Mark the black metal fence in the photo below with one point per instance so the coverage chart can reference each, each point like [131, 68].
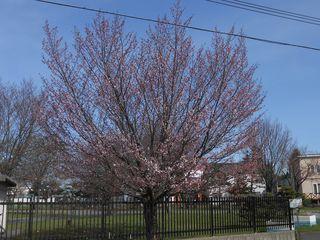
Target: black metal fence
[96, 219]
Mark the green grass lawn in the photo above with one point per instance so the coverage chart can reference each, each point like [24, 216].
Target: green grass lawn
[314, 228]
[87, 222]
[310, 209]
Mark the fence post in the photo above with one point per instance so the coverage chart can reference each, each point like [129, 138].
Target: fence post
[162, 218]
[289, 214]
[103, 217]
[30, 220]
[254, 209]
[211, 215]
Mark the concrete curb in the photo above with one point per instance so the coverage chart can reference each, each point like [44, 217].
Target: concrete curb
[283, 235]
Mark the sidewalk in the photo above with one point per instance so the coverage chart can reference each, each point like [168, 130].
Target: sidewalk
[310, 236]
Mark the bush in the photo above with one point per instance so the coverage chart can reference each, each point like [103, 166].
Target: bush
[288, 192]
[306, 202]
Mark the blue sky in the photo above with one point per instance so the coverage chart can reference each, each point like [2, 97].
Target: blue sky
[290, 76]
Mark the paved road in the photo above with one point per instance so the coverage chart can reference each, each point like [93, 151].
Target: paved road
[310, 236]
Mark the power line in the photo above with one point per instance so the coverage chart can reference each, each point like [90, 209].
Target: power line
[273, 10]
[266, 12]
[179, 25]
[304, 16]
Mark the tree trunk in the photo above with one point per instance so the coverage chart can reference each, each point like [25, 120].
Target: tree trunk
[297, 187]
[150, 217]
[271, 184]
[270, 179]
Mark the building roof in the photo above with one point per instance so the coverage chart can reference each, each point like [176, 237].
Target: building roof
[7, 180]
[311, 155]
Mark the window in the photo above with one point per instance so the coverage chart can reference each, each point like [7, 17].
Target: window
[318, 168]
[316, 188]
[311, 169]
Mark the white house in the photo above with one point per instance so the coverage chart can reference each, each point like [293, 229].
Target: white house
[5, 183]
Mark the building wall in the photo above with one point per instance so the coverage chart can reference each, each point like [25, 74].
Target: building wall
[3, 208]
[313, 163]
[307, 186]
[257, 187]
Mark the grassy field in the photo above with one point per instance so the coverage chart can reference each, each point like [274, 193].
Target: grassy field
[79, 221]
[124, 223]
[314, 228]
[308, 228]
[315, 209]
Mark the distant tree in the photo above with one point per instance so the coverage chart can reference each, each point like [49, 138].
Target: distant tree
[288, 192]
[234, 177]
[298, 170]
[251, 168]
[149, 111]
[216, 179]
[19, 110]
[239, 186]
[243, 175]
[273, 145]
[91, 178]
[39, 167]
